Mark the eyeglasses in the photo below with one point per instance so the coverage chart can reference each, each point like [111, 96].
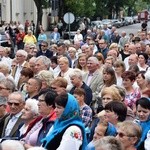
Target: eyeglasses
[53, 88]
[120, 134]
[126, 46]
[31, 47]
[15, 104]
[44, 45]
[3, 88]
[19, 55]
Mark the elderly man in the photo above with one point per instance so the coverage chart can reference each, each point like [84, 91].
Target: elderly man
[42, 63]
[77, 81]
[21, 57]
[93, 78]
[132, 50]
[123, 40]
[16, 103]
[33, 88]
[55, 36]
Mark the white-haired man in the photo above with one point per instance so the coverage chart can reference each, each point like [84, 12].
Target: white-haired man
[93, 78]
[21, 57]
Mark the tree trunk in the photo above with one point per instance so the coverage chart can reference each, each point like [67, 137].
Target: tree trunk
[39, 15]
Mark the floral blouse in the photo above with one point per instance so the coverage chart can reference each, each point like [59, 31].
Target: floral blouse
[131, 98]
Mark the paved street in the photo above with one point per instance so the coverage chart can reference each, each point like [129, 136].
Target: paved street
[129, 29]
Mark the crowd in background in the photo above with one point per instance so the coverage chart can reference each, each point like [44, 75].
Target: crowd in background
[89, 93]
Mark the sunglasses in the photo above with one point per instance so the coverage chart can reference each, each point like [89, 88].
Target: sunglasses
[15, 104]
[126, 46]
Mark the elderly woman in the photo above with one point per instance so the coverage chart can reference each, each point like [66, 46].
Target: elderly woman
[129, 134]
[39, 127]
[59, 85]
[78, 36]
[46, 77]
[109, 94]
[72, 54]
[65, 71]
[142, 61]
[108, 143]
[5, 69]
[77, 82]
[29, 113]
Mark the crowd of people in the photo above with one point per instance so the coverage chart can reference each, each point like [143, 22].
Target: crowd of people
[89, 93]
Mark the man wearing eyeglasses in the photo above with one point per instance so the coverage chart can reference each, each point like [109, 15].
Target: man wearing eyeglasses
[44, 50]
[16, 103]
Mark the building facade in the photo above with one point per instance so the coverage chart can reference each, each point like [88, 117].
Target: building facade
[21, 10]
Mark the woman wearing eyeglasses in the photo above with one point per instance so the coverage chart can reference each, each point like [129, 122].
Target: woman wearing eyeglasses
[125, 52]
[128, 133]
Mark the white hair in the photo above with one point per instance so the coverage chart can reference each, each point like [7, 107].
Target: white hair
[33, 104]
[22, 52]
[46, 75]
[46, 61]
[12, 145]
[76, 72]
[94, 59]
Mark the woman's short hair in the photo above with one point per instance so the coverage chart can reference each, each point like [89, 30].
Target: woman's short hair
[64, 59]
[46, 76]
[4, 66]
[60, 81]
[113, 92]
[143, 102]
[33, 104]
[131, 129]
[108, 143]
[77, 73]
[62, 99]
[80, 92]
[27, 72]
[128, 75]
[118, 108]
